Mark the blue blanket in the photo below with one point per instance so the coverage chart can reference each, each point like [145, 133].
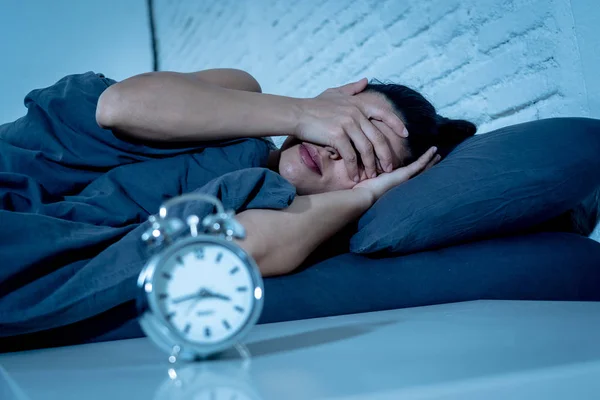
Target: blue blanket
[75, 198]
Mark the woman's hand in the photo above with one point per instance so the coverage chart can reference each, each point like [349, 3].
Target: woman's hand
[339, 119]
[376, 187]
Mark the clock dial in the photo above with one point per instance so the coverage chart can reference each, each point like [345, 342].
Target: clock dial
[205, 291]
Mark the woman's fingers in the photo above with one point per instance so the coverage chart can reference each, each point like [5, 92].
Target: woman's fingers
[344, 147]
[384, 182]
[418, 166]
[379, 167]
[364, 147]
[433, 162]
[381, 147]
[353, 88]
[386, 114]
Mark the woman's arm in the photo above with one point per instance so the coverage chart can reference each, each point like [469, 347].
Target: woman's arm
[226, 104]
[280, 240]
[229, 78]
[171, 106]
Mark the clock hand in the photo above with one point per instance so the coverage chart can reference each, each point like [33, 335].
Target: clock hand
[221, 296]
[202, 294]
[186, 297]
[217, 295]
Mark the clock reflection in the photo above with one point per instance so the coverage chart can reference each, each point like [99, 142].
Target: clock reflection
[209, 380]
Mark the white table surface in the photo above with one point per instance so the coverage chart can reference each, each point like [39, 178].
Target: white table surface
[481, 349]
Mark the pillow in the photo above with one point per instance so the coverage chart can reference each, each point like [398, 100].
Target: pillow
[541, 266]
[498, 183]
[583, 219]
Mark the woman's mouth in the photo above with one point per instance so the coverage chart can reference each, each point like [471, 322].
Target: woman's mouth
[309, 159]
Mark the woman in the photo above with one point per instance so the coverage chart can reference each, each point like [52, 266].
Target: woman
[395, 131]
[74, 197]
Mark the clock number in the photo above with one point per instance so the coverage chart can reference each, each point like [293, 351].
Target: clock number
[219, 257]
[179, 260]
[226, 324]
[170, 316]
[166, 275]
[238, 309]
[207, 331]
[199, 254]
[234, 270]
[242, 289]
[187, 328]
[162, 296]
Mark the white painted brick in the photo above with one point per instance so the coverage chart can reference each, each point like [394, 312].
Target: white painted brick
[455, 55]
[521, 92]
[508, 60]
[482, 11]
[512, 24]
[352, 13]
[527, 114]
[365, 29]
[289, 40]
[449, 26]
[291, 16]
[420, 19]
[472, 109]
[392, 11]
[362, 59]
[558, 106]
[396, 61]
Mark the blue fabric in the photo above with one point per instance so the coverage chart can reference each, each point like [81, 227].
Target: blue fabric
[499, 183]
[542, 266]
[75, 199]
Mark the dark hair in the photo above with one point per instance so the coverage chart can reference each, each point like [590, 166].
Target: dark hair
[425, 126]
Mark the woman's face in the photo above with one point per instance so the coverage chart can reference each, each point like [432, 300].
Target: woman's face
[317, 169]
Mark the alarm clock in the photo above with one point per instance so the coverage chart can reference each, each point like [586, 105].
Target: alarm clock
[199, 292]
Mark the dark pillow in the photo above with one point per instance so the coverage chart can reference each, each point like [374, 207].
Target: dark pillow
[540, 266]
[582, 219]
[493, 184]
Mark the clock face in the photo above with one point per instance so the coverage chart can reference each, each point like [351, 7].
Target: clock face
[205, 291]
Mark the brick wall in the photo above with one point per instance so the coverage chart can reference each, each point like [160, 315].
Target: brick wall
[495, 62]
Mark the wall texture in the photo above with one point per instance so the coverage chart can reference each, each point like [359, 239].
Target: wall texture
[495, 62]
